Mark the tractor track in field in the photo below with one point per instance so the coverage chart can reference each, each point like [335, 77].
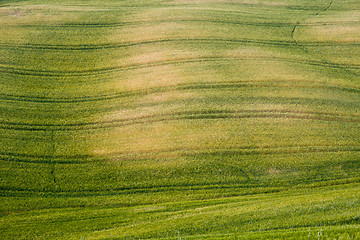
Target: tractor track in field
[180, 87]
[127, 24]
[165, 153]
[52, 167]
[90, 47]
[303, 47]
[165, 187]
[184, 115]
[300, 23]
[95, 72]
[152, 22]
[45, 159]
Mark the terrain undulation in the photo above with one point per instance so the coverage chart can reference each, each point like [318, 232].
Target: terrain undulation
[180, 119]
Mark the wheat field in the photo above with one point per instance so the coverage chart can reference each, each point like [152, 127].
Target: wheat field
[180, 119]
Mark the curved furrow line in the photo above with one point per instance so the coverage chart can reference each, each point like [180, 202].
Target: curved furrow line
[120, 190]
[46, 159]
[127, 24]
[55, 73]
[89, 47]
[35, 99]
[191, 86]
[244, 150]
[347, 23]
[288, 149]
[99, 71]
[211, 185]
[84, 47]
[154, 22]
[348, 70]
[184, 115]
[300, 23]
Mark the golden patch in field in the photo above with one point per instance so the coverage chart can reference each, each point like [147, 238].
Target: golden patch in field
[274, 171]
[336, 33]
[168, 96]
[248, 2]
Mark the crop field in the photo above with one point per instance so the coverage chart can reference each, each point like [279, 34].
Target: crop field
[180, 119]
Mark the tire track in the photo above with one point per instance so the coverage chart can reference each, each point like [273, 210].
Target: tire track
[100, 71]
[244, 150]
[46, 158]
[273, 151]
[153, 22]
[184, 115]
[139, 43]
[91, 47]
[300, 23]
[320, 59]
[52, 167]
[142, 155]
[127, 24]
[122, 190]
[180, 87]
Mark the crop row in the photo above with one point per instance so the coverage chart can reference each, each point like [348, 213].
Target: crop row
[192, 86]
[85, 47]
[299, 23]
[91, 72]
[191, 152]
[184, 115]
[127, 24]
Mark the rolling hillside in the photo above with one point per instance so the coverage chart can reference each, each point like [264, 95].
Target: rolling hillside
[180, 119]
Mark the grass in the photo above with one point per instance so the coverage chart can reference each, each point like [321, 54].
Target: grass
[169, 119]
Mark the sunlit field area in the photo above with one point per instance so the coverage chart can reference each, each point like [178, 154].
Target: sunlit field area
[180, 119]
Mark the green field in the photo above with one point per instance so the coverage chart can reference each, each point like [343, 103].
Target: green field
[180, 119]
